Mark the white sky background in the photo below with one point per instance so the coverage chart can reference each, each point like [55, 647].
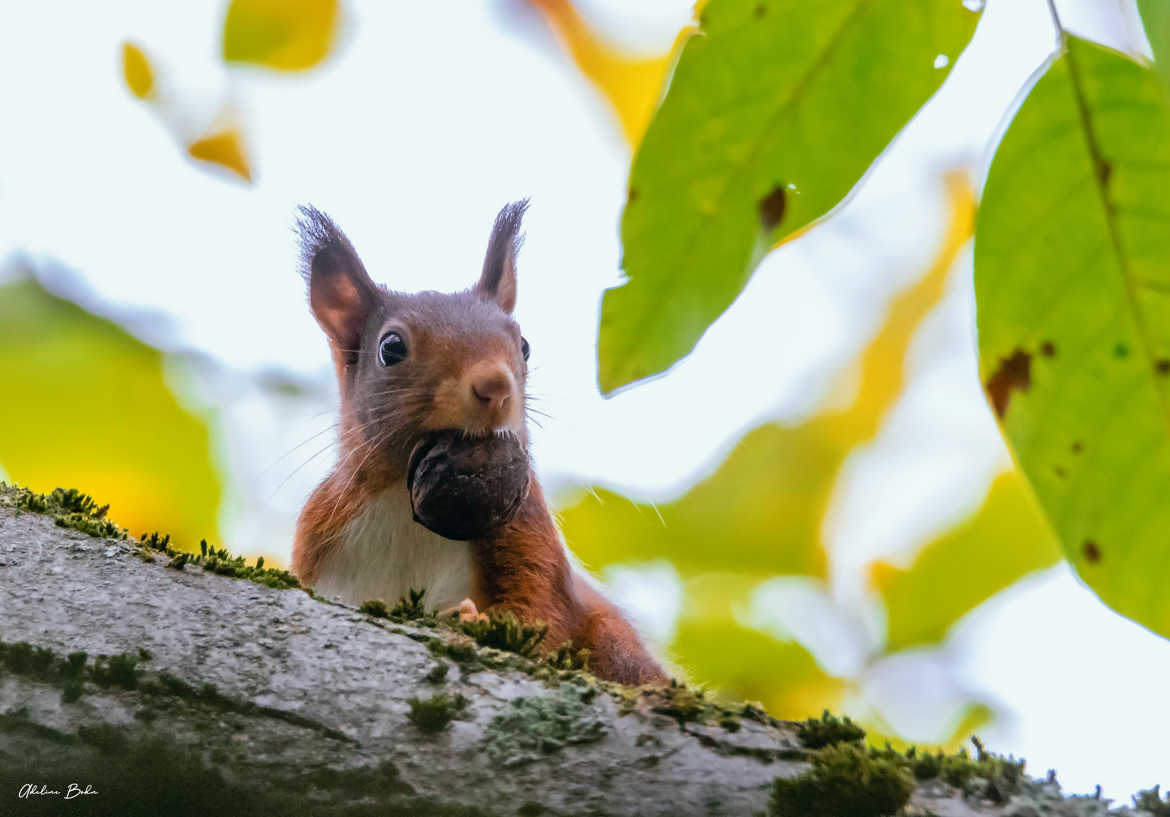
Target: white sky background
[428, 119]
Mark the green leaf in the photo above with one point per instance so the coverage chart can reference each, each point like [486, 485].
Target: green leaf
[289, 35]
[87, 405]
[759, 514]
[1156, 19]
[1072, 278]
[1007, 538]
[776, 109]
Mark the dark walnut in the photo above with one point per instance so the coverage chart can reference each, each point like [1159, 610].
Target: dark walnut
[466, 488]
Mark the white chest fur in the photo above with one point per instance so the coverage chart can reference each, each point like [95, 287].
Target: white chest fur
[384, 554]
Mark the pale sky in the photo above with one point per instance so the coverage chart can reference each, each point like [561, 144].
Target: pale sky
[430, 117]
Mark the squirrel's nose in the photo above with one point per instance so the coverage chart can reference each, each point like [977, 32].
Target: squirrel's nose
[492, 386]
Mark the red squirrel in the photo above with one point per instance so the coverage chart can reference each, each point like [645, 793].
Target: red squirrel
[408, 364]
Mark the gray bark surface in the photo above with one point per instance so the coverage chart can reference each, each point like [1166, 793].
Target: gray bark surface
[310, 710]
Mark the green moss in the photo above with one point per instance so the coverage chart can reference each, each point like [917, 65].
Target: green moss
[220, 561]
[730, 724]
[1151, 800]
[985, 775]
[828, 729]
[461, 651]
[17, 720]
[432, 715]
[69, 508]
[437, 674]
[410, 608]
[534, 727]
[116, 670]
[376, 608]
[105, 737]
[72, 671]
[503, 630]
[846, 780]
[23, 658]
[101, 528]
[682, 703]
[568, 657]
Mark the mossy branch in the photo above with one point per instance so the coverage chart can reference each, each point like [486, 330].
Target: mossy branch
[178, 691]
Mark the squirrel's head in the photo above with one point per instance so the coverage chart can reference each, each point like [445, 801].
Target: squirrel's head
[409, 363]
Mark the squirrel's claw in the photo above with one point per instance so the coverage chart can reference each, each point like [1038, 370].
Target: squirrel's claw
[466, 610]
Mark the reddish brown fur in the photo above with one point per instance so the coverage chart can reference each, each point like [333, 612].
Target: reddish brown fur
[453, 338]
[525, 569]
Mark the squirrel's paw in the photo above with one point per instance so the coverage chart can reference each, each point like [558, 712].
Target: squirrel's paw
[467, 611]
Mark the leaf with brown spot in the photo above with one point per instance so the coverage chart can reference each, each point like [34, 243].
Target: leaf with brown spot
[1013, 374]
[1071, 247]
[772, 208]
[1092, 551]
[810, 93]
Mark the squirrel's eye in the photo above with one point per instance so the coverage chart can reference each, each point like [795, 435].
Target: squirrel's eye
[392, 349]
[524, 350]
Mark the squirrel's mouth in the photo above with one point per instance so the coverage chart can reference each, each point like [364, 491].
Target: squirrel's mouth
[420, 450]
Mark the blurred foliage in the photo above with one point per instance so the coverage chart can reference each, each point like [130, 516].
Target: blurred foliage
[1072, 279]
[286, 35]
[86, 403]
[714, 647]
[224, 147]
[289, 35]
[773, 113]
[222, 144]
[631, 84]
[1156, 18]
[137, 71]
[762, 514]
[1005, 539]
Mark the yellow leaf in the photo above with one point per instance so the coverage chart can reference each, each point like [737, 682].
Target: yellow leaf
[631, 84]
[289, 35]
[223, 147]
[883, 362]
[137, 71]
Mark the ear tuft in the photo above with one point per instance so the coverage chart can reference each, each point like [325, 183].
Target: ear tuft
[498, 280]
[341, 293]
[317, 234]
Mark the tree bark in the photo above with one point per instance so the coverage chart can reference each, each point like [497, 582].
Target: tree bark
[235, 698]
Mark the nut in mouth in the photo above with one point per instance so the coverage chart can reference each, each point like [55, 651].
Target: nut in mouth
[466, 487]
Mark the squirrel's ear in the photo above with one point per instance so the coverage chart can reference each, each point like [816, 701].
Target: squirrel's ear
[341, 293]
[498, 280]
